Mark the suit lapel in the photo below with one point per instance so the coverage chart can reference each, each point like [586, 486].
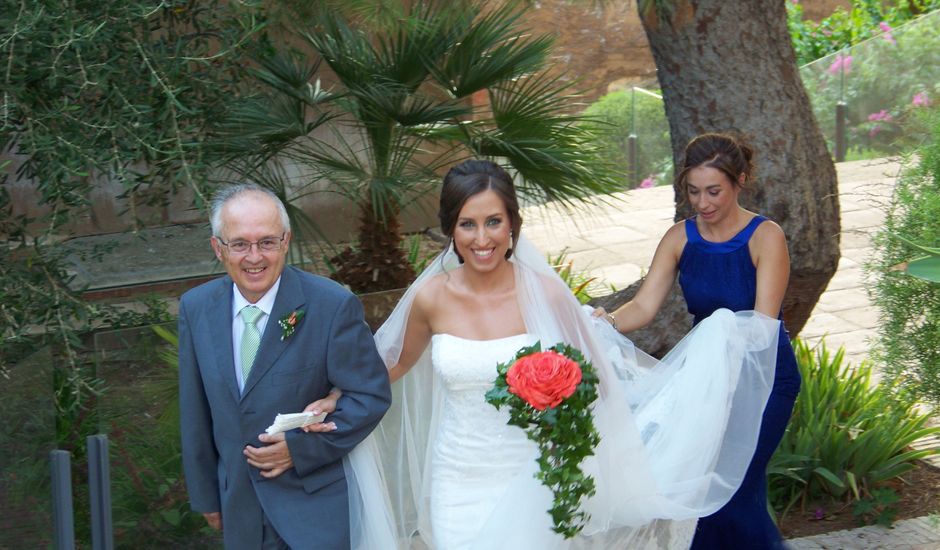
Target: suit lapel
[220, 331]
[290, 297]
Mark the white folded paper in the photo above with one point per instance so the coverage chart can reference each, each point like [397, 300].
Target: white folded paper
[284, 422]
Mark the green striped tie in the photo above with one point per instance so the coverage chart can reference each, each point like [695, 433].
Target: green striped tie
[251, 339]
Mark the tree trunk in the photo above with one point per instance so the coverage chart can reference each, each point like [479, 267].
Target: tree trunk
[730, 66]
[377, 262]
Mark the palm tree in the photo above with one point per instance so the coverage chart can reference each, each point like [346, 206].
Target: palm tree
[403, 109]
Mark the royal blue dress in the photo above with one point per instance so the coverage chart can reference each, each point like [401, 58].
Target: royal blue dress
[722, 275]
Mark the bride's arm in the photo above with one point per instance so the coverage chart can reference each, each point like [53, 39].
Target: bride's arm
[417, 337]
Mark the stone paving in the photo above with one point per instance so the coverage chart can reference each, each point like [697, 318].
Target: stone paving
[911, 534]
[616, 241]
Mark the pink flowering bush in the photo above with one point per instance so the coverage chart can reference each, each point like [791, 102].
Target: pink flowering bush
[842, 63]
[886, 30]
[843, 29]
[882, 116]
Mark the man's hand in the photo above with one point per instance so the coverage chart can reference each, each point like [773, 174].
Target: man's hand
[214, 519]
[272, 460]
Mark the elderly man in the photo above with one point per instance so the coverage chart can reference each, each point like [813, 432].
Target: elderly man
[263, 340]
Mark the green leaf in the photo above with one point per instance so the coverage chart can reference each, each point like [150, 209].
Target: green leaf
[927, 268]
[171, 516]
[829, 476]
[922, 248]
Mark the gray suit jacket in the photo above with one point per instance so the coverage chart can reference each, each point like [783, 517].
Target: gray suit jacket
[331, 347]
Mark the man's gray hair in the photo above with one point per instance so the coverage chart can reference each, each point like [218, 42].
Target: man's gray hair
[230, 192]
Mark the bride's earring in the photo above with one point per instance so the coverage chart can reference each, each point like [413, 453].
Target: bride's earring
[509, 250]
[454, 245]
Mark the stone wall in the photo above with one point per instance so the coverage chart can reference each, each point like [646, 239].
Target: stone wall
[603, 45]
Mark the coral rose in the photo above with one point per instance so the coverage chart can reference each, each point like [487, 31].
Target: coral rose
[543, 379]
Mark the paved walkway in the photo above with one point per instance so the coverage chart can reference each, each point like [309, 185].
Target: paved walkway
[616, 242]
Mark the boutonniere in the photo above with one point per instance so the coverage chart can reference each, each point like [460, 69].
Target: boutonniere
[289, 323]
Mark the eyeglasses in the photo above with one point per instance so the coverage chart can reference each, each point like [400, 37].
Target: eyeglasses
[267, 244]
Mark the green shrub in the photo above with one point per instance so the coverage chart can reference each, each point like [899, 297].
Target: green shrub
[909, 337]
[624, 112]
[846, 435]
[842, 29]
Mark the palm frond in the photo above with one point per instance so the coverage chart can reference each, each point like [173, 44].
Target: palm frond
[293, 75]
[264, 125]
[554, 153]
[492, 50]
[347, 50]
[407, 51]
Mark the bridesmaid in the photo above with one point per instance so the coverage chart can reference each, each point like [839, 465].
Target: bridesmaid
[726, 257]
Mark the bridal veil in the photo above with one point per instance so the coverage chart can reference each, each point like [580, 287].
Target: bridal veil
[676, 434]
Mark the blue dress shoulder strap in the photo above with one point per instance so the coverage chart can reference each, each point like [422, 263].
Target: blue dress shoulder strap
[741, 238]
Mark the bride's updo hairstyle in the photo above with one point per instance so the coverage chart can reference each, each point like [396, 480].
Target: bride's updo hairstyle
[469, 178]
[722, 152]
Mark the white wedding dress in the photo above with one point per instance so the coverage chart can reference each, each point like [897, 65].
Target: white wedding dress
[482, 469]
[445, 471]
[475, 451]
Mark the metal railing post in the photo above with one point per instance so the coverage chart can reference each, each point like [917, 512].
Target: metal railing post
[841, 144]
[63, 517]
[631, 159]
[99, 485]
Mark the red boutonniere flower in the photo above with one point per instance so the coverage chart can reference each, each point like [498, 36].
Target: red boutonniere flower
[289, 322]
[549, 395]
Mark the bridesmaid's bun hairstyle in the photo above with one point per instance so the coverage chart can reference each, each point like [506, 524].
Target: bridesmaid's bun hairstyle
[469, 178]
[723, 152]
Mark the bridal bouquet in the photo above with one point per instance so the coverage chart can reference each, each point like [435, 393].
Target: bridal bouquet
[549, 395]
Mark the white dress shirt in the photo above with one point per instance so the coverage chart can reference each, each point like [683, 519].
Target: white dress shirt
[265, 304]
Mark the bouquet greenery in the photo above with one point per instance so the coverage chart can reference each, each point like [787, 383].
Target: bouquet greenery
[549, 395]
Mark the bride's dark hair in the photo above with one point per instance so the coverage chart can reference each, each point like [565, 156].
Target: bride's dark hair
[469, 178]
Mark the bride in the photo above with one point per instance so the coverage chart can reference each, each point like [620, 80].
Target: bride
[445, 471]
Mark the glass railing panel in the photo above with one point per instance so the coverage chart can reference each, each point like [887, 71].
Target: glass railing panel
[883, 83]
[634, 135]
[139, 412]
[27, 435]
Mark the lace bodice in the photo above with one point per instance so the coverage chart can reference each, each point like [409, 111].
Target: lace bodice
[472, 431]
[465, 364]
[475, 450]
